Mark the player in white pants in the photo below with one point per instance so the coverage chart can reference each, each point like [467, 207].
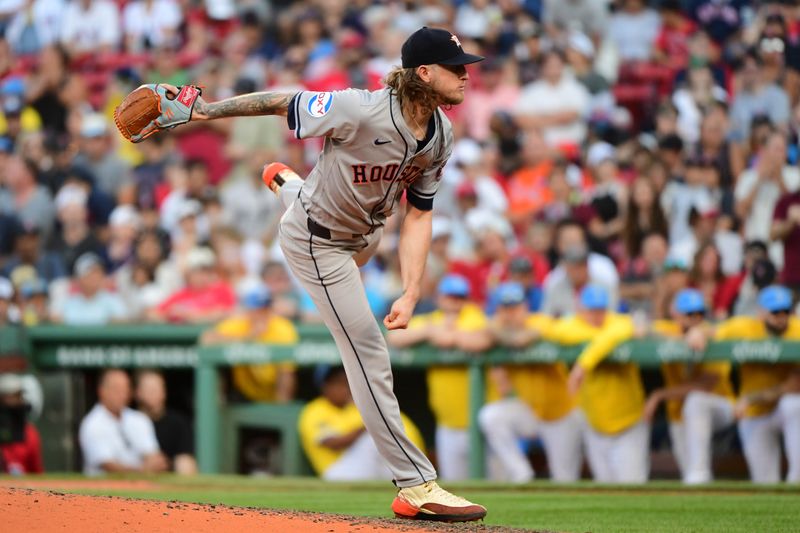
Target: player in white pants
[505, 421]
[620, 457]
[360, 462]
[333, 435]
[761, 435]
[456, 324]
[703, 414]
[698, 395]
[379, 148]
[769, 401]
[535, 401]
[611, 394]
[452, 453]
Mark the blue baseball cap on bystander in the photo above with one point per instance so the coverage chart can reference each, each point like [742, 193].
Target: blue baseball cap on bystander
[775, 298]
[453, 285]
[510, 293]
[689, 301]
[594, 297]
[257, 297]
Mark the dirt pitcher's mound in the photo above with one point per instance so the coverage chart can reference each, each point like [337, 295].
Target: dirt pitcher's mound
[38, 511]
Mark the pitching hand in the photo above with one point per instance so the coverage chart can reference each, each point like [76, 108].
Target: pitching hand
[400, 313]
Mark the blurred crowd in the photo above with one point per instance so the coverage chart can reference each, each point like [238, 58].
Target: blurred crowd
[645, 146]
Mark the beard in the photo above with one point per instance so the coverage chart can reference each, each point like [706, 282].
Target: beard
[776, 331]
[451, 99]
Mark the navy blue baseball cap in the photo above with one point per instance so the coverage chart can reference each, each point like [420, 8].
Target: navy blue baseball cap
[594, 297]
[257, 297]
[453, 285]
[510, 293]
[775, 298]
[434, 46]
[690, 301]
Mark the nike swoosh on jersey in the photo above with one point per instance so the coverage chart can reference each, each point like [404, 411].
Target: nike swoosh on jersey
[379, 142]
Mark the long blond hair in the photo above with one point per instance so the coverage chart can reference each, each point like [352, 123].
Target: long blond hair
[411, 89]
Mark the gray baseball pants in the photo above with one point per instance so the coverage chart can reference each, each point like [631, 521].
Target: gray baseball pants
[327, 270]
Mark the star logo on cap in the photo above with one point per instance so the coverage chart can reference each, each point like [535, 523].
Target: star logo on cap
[455, 40]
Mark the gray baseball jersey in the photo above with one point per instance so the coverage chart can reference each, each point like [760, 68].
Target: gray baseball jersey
[370, 157]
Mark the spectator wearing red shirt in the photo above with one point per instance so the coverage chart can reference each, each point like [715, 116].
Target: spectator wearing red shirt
[494, 93]
[346, 68]
[496, 262]
[671, 48]
[22, 452]
[205, 298]
[786, 228]
[488, 268]
[706, 276]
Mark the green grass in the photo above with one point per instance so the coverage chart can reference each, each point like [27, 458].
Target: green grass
[657, 507]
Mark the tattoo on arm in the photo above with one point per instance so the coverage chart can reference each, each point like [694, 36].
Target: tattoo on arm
[263, 103]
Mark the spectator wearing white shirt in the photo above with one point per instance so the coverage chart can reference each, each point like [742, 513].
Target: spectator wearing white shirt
[115, 438]
[633, 29]
[756, 96]
[758, 190]
[580, 54]
[23, 196]
[97, 155]
[561, 293]
[35, 26]
[91, 26]
[556, 104]
[469, 158]
[7, 10]
[588, 16]
[705, 228]
[250, 207]
[577, 266]
[679, 197]
[150, 23]
[477, 19]
[91, 305]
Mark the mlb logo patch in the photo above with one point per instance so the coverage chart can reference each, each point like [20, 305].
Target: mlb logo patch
[320, 104]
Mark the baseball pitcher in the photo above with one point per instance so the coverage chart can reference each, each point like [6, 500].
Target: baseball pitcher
[378, 146]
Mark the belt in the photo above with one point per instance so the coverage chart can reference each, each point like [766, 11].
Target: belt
[322, 232]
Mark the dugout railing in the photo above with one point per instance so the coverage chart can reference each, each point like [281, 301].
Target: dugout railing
[171, 346]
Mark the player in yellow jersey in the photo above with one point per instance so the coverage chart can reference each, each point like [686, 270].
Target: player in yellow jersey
[457, 324]
[763, 422]
[699, 395]
[533, 397]
[333, 433]
[787, 397]
[258, 323]
[611, 395]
